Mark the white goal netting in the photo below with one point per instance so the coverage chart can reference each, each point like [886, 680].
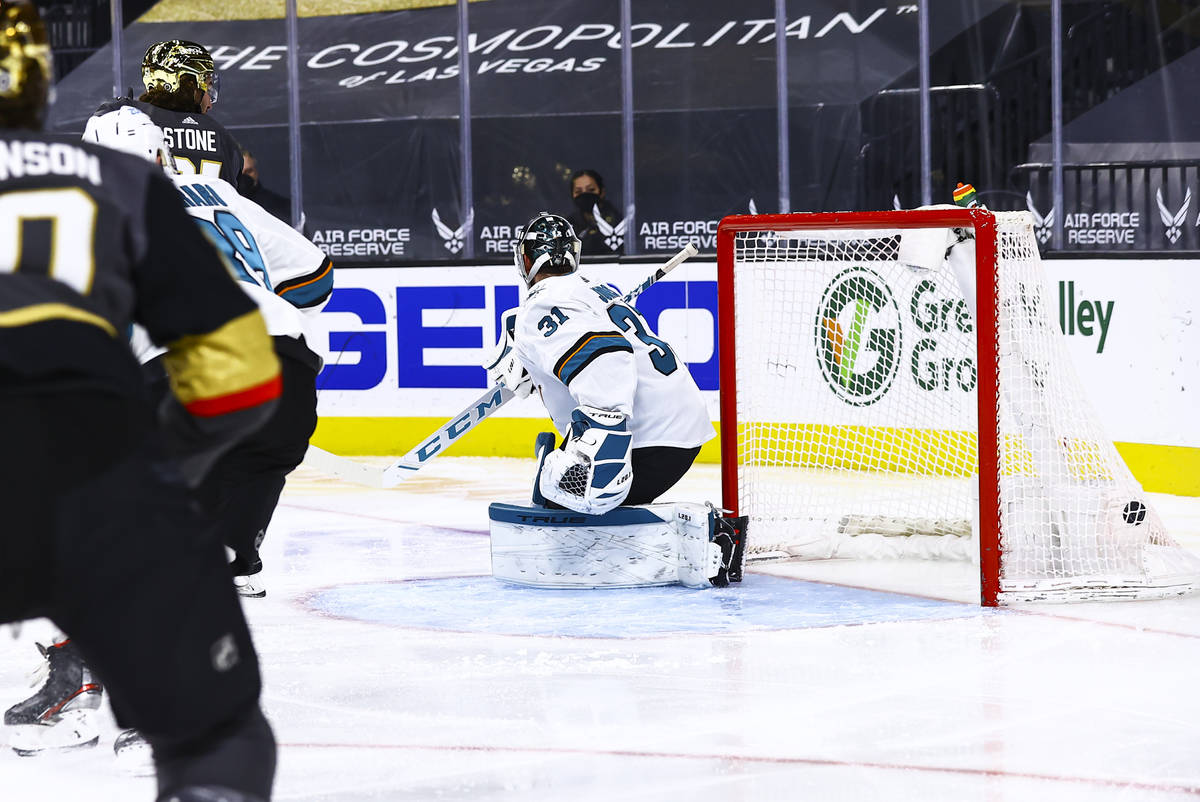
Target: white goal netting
[857, 423]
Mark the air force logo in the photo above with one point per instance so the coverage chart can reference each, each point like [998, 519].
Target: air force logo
[455, 237]
[614, 236]
[1042, 226]
[1173, 220]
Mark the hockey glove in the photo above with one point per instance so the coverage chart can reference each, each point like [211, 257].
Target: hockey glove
[502, 364]
[592, 474]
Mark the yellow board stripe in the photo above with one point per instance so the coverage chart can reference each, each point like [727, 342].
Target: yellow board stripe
[860, 448]
[1163, 469]
[496, 437]
[1160, 469]
[38, 313]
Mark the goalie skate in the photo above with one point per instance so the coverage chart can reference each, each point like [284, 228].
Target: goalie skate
[62, 713]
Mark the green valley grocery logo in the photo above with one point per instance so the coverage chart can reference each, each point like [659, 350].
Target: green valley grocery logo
[858, 336]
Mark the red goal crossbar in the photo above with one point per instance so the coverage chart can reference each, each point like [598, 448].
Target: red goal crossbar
[984, 225]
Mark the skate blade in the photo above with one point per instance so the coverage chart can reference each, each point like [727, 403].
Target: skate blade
[44, 750]
[75, 729]
[249, 587]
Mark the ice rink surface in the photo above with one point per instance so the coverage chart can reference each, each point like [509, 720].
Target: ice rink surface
[396, 668]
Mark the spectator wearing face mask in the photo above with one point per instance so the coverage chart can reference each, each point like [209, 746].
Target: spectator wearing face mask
[250, 186]
[587, 192]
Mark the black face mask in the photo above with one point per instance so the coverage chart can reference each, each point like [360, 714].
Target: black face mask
[246, 185]
[586, 201]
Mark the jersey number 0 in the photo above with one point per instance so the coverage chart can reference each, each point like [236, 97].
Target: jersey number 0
[49, 231]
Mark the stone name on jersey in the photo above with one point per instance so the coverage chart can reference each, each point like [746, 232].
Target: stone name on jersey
[191, 139]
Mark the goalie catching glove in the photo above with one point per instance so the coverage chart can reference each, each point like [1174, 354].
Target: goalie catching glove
[592, 473]
[503, 366]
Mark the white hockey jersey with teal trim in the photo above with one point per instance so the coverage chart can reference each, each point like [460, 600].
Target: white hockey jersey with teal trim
[288, 276]
[579, 350]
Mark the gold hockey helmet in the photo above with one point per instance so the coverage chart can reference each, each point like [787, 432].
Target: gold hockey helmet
[25, 68]
[165, 63]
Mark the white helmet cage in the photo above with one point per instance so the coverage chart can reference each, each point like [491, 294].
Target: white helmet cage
[547, 243]
[128, 129]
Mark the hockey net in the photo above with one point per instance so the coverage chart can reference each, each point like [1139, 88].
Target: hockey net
[871, 408]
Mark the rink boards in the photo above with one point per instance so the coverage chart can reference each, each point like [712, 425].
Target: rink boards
[405, 345]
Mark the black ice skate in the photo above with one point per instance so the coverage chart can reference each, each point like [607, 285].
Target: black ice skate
[62, 714]
[247, 572]
[250, 586]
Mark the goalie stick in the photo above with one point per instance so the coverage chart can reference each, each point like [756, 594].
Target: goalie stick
[449, 432]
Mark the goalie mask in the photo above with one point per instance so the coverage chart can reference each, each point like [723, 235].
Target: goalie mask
[25, 69]
[547, 244]
[165, 64]
[129, 130]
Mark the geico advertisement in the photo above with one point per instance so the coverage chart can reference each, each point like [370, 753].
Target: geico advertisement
[411, 341]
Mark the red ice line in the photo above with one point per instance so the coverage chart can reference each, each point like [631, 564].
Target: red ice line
[801, 761]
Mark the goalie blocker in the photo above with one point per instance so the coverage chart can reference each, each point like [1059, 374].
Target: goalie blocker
[655, 544]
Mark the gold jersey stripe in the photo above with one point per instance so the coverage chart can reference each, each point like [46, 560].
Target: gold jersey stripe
[235, 358]
[37, 313]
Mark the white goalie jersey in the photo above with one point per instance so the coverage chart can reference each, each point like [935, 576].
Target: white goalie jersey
[581, 351]
[288, 276]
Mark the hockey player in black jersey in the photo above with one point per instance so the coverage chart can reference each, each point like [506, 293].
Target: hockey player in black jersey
[99, 534]
[181, 87]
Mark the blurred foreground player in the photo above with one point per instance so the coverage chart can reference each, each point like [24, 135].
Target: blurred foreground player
[99, 534]
[290, 279]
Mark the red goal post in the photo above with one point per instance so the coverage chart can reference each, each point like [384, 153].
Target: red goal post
[950, 424]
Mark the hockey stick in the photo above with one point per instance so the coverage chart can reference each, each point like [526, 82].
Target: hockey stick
[359, 473]
[675, 261]
[449, 432]
[370, 476]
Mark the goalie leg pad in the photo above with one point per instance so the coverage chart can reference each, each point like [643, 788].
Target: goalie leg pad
[714, 545]
[626, 548]
[699, 558]
[654, 544]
